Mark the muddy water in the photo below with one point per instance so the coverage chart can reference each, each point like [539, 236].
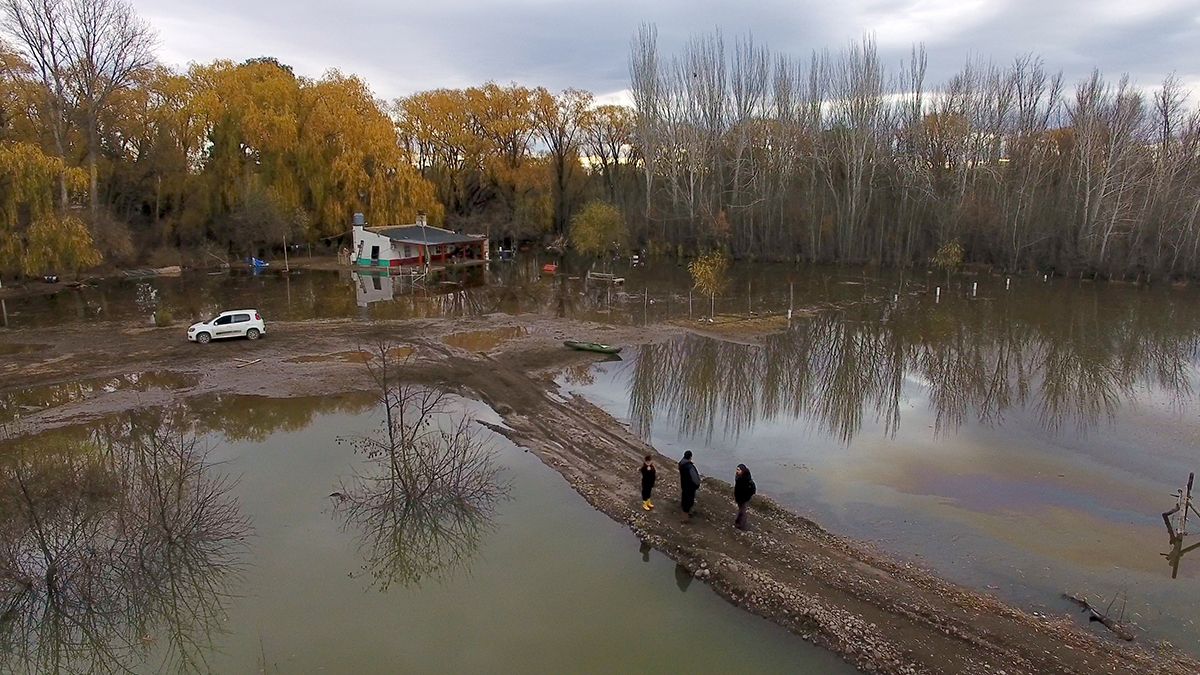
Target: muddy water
[649, 294]
[1021, 442]
[484, 340]
[18, 403]
[257, 569]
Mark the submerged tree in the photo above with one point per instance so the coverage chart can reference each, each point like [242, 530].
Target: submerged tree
[430, 486]
[710, 276]
[598, 228]
[949, 258]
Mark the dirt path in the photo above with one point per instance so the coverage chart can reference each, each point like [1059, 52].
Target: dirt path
[880, 615]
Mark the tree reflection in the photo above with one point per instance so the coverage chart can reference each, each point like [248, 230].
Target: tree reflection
[838, 368]
[429, 490]
[118, 546]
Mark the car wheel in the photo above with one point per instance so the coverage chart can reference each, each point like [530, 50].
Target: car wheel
[252, 334]
[203, 338]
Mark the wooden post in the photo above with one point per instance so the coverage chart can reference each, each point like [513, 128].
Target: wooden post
[1187, 505]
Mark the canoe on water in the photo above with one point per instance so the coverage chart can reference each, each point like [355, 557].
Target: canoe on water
[592, 347]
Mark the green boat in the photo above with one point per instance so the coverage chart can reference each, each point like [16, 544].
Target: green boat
[592, 347]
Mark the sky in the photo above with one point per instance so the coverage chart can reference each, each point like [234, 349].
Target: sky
[401, 47]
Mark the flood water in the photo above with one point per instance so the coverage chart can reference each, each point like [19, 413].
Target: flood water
[202, 538]
[649, 294]
[1023, 442]
[1022, 439]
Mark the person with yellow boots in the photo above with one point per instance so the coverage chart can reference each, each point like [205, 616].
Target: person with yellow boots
[649, 475]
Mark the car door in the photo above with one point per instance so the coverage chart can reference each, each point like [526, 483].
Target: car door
[222, 327]
[240, 323]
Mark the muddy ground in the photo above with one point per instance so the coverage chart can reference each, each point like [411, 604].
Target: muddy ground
[881, 615]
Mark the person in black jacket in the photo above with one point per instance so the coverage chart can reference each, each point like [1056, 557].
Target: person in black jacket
[689, 483]
[743, 490]
[649, 475]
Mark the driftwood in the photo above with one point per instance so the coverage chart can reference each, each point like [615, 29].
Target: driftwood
[1100, 617]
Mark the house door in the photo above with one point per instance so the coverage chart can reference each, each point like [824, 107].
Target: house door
[374, 255]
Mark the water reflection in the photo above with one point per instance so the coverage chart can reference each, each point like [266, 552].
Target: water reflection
[1070, 365]
[429, 490]
[1175, 555]
[254, 418]
[683, 578]
[1176, 521]
[119, 545]
[18, 403]
[444, 294]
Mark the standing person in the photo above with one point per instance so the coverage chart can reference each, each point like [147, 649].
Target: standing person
[649, 475]
[689, 483]
[743, 490]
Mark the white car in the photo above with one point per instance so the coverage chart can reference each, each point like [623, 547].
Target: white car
[237, 323]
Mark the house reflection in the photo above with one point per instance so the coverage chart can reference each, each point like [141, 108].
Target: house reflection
[374, 286]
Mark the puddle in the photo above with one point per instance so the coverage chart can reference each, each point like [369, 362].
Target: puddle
[346, 357]
[22, 402]
[484, 340]
[10, 348]
[395, 354]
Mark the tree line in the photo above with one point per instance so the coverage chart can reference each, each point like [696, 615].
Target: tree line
[106, 154]
[839, 158]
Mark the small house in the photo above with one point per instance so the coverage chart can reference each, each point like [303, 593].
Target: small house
[417, 245]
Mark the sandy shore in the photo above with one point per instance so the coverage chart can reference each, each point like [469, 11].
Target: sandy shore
[881, 615]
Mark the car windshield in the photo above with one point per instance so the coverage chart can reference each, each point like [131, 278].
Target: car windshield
[214, 319]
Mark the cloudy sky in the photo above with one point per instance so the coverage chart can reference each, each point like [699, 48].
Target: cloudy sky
[400, 47]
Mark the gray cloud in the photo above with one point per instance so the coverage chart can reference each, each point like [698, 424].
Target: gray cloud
[400, 47]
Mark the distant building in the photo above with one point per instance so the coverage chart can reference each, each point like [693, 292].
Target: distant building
[418, 245]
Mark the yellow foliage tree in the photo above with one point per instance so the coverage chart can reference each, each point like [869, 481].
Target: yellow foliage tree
[598, 228]
[29, 180]
[59, 243]
[710, 276]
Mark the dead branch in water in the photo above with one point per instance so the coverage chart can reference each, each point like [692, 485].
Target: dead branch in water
[1103, 619]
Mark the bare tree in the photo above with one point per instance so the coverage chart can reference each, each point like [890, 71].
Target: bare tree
[105, 44]
[430, 487]
[38, 29]
[560, 123]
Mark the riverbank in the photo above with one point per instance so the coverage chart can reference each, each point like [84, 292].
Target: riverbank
[880, 615]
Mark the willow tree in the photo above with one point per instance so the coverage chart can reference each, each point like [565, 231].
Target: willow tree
[598, 228]
[349, 159]
[710, 276]
[35, 236]
[476, 146]
[252, 112]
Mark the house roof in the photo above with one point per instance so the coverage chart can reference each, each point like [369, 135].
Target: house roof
[416, 234]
